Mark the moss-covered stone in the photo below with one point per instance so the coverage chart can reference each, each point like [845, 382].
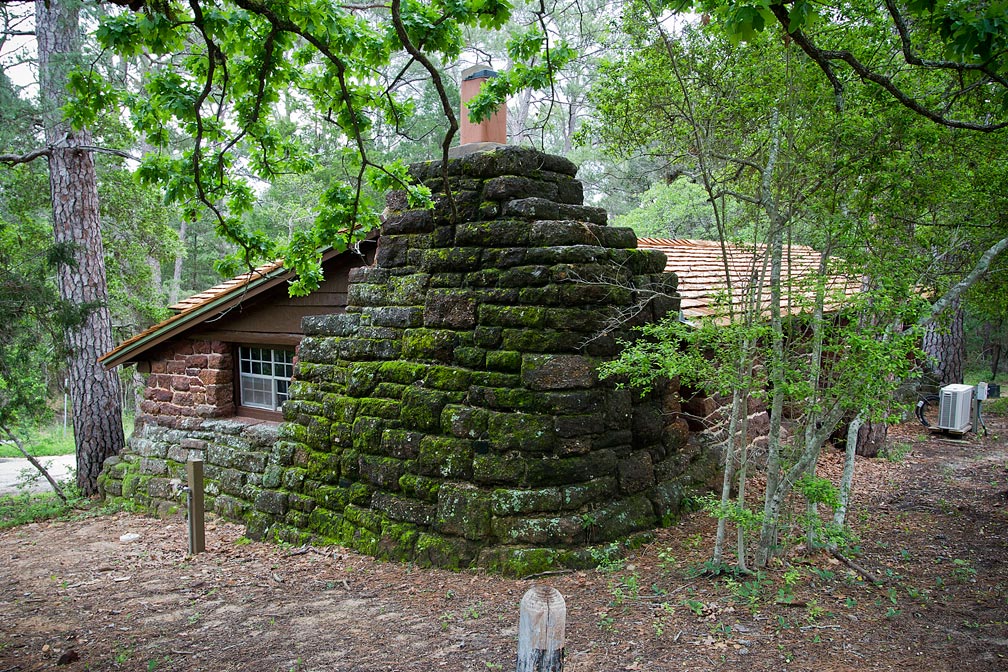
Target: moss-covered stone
[445, 457]
[527, 432]
[381, 472]
[508, 361]
[436, 345]
[464, 422]
[447, 378]
[514, 501]
[421, 408]
[463, 510]
[379, 408]
[540, 531]
[541, 340]
[401, 443]
[435, 550]
[497, 469]
[420, 487]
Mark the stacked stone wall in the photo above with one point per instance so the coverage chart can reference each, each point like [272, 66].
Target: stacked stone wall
[236, 452]
[453, 416]
[192, 378]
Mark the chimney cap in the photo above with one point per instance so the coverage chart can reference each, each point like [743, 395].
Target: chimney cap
[479, 71]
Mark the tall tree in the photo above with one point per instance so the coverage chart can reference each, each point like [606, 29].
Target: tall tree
[94, 392]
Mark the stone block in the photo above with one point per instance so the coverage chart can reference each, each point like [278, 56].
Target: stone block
[404, 509]
[445, 457]
[514, 501]
[464, 422]
[496, 233]
[381, 472]
[635, 473]
[558, 372]
[452, 309]
[429, 344]
[496, 469]
[452, 259]
[527, 432]
[272, 502]
[541, 531]
[421, 408]
[400, 443]
[564, 471]
[464, 511]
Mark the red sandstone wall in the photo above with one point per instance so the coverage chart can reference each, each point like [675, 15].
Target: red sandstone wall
[191, 379]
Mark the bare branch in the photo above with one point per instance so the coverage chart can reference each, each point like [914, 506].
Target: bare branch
[824, 58]
[953, 294]
[14, 159]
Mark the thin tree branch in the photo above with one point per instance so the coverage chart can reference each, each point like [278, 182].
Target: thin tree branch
[823, 58]
[14, 159]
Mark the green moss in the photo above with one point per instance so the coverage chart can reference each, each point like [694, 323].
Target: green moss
[526, 432]
[429, 344]
[470, 357]
[398, 540]
[529, 317]
[332, 497]
[433, 550]
[528, 561]
[421, 408]
[323, 467]
[511, 501]
[445, 457]
[326, 524]
[400, 372]
[447, 378]
[378, 408]
[464, 511]
[541, 340]
[361, 378]
[504, 360]
[367, 434]
[499, 469]
[464, 422]
[420, 487]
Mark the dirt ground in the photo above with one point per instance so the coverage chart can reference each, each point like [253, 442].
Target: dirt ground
[80, 595]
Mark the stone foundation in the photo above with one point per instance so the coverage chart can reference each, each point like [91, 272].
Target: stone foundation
[237, 455]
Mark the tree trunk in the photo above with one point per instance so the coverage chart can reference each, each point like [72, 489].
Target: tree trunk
[94, 392]
[871, 437]
[176, 284]
[945, 345]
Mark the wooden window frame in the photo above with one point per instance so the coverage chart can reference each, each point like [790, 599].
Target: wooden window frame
[257, 412]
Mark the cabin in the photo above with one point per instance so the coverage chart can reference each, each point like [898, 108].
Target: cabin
[445, 406]
[230, 351]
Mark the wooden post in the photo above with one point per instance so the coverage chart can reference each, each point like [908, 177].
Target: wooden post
[197, 532]
[541, 626]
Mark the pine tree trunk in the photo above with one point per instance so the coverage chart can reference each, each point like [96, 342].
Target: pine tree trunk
[945, 345]
[94, 392]
[176, 284]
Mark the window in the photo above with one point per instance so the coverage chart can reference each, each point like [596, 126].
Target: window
[264, 376]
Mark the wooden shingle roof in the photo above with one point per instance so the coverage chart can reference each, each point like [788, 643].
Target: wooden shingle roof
[707, 270]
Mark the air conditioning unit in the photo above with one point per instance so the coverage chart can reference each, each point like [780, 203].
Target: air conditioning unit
[955, 407]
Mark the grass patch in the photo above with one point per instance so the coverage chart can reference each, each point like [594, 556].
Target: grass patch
[995, 407]
[21, 509]
[50, 441]
[24, 508]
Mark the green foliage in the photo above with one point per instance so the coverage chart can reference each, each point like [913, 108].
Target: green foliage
[676, 210]
[939, 58]
[743, 517]
[49, 441]
[249, 70]
[818, 490]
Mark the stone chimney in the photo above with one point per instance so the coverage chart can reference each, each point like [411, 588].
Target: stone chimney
[492, 130]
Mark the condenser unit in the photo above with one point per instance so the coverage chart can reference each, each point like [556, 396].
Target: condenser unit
[955, 407]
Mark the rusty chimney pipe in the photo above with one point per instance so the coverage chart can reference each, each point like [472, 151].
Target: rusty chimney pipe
[493, 129]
